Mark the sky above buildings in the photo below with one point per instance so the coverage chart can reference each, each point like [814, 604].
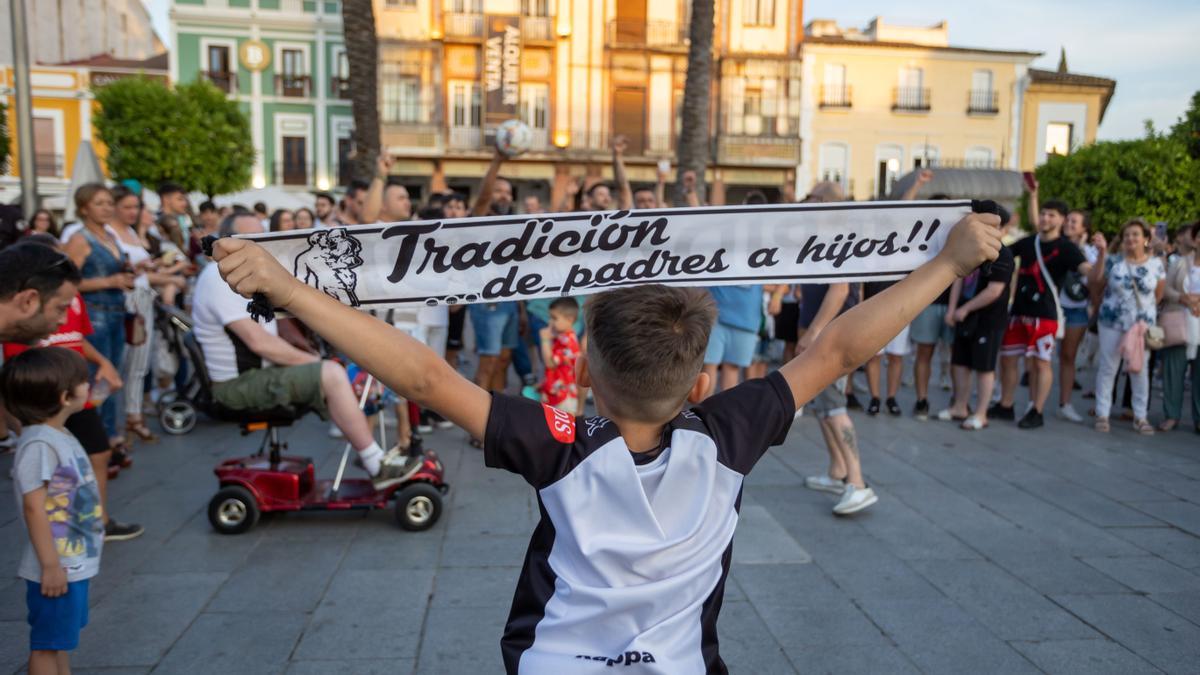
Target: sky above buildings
[1148, 46]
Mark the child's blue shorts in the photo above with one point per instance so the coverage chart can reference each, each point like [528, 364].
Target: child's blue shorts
[55, 622]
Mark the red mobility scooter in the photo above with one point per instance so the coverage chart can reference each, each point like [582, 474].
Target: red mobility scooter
[272, 481]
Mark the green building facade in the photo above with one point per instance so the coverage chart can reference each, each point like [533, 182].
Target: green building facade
[283, 61]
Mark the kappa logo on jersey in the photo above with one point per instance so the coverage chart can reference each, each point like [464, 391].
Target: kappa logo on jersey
[627, 659]
[561, 424]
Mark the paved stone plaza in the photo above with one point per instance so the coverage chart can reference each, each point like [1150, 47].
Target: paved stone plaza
[1004, 551]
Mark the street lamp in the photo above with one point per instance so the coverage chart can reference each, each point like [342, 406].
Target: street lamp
[322, 183]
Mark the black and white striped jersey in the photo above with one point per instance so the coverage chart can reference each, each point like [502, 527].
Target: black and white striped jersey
[628, 563]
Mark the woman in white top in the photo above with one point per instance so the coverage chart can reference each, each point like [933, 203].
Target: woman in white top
[1073, 296]
[1183, 295]
[140, 302]
[1132, 283]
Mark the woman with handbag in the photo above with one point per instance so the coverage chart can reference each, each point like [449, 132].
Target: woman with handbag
[1132, 282]
[1073, 298]
[139, 306]
[107, 275]
[1180, 321]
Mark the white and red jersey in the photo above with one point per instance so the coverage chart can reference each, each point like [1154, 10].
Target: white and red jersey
[628, 563]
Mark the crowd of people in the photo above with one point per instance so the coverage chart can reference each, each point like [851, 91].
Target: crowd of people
[96, 287]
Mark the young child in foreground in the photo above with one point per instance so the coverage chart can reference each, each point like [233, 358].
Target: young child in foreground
[58, 500]
[638, 504]
[560, 351]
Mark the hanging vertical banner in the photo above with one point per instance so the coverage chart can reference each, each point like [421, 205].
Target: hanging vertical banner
[501, 70]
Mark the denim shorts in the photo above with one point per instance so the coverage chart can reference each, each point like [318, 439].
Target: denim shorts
[930, 327]
[1077, 317]
[495, 326]
[831, 402]
[727, 344]
[55, 623]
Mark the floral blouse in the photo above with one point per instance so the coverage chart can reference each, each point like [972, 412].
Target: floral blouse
[1120, 308]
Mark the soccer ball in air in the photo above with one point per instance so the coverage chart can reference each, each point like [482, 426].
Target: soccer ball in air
[513, 137]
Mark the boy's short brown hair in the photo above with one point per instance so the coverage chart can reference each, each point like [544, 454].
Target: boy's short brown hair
[645, 347]
[32, 382]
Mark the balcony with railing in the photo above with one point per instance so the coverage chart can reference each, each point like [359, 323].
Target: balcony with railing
[465, 138]
[339, 87]
[414, 136]
[910, 99]
[459, 25]
[657, 34]
[48, 165]
[292, 86]
[289, 173]
[982, 102]
[536, 28]
[835, 96]
[221, 79]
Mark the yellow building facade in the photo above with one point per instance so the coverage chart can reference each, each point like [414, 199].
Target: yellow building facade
[880, 102]
[63, 105]
[583, 71]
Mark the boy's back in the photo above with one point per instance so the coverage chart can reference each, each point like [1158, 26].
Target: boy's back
[629, 560]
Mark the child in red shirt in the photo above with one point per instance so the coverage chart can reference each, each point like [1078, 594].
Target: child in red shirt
[560, 350]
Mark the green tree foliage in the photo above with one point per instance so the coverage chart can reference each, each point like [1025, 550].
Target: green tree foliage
[1155, 178]
[1187, 129]
[191, 135]
[4, 147]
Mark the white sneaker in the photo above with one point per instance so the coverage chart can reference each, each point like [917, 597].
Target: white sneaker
[854, 500]
[335, 432]
[799, 413]
[824, 483]
[1067, 412]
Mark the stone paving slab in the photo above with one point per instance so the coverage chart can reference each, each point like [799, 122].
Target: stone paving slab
[1055, 551]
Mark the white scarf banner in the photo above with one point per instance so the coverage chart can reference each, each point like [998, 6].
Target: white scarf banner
[498, 258]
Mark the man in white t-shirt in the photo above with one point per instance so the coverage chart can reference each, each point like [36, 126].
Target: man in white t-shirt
[252, 368]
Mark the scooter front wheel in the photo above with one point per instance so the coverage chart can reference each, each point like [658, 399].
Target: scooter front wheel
[233, 510]
[418, 507]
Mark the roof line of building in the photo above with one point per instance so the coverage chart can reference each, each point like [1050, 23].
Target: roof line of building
[830, 40]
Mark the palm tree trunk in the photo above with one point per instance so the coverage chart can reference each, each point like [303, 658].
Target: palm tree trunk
[694, 136]
[362, 53]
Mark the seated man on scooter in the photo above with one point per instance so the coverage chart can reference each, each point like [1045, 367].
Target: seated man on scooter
[252, 368]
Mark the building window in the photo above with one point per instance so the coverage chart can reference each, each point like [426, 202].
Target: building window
[401, 100]
[293, 75]
[535, 111]
[758, 12]
[464, 6]
[535, 7]
[982, 98]
[218, 70]
[911, 93]
[978, 158]
[402, 4]
[834, 92]
[835, 163]
[924, 157]
[888, 160]
[466, 114]
[760, 99]
[1058, 138]
[294, 170]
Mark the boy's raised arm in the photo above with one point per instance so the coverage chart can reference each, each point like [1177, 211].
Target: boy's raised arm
[854, 337]
[410, 368]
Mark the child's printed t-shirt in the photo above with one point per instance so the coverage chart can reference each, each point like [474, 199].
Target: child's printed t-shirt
[53, 458]
[627, 565]
[559, 386]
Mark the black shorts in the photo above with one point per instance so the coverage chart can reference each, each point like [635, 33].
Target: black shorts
[87, 428]
[787, 322]
[454, 334]
[977, 350]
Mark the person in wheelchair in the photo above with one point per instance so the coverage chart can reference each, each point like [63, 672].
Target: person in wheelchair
[253, 369]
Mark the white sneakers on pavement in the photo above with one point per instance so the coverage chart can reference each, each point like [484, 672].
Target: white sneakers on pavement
[1067, 412]
[855, 499]
[824, 483]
